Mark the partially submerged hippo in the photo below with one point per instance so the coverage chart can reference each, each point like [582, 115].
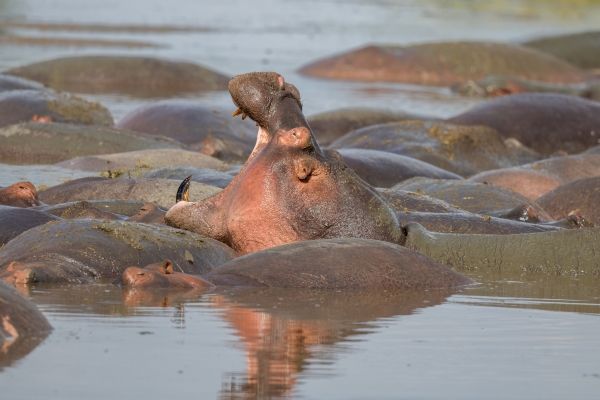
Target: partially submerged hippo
[544, 122]
[161, 275]
[137, 76]
[20, 194]
[14, 221]
[346, 263]
[208, 130]
[44, 143]
[538, 178]
[158, 191]
[580, 49]
[289, 189]
[574, 252]
[19, 319]
[88, 251]
[49, 106]
[443, 64]
[581, 197]
[463, 150]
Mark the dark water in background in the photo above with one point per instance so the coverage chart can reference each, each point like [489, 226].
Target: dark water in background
[507, 337]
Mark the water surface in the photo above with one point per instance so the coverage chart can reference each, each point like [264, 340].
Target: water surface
[508, 337]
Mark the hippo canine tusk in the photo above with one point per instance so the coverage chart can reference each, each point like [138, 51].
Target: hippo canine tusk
[237, 112]
[184, 190]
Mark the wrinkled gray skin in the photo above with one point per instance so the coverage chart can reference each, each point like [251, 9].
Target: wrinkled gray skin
[289, 190]
[573, 252]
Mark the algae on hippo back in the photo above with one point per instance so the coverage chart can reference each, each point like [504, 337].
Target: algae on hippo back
[561, 253]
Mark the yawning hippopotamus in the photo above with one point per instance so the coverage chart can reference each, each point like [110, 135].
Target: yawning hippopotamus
[289, 189]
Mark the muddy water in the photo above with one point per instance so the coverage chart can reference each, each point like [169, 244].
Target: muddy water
[515, 337]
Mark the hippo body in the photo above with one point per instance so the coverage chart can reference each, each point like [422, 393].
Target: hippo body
[383, 169]
[87, 251]
[471, 223]
[330, 126]
[581, 197]
[538, 178]
[9, 82]
[18, 106]
[158, 191]
[14, 221]
[572, 252]
[207, 130]
[50, 143]
[19, 318]
[289, 189]
[463, 150]
[137, 76]
[544, 122]
[471, 196]
[346, 263]
[443, 64]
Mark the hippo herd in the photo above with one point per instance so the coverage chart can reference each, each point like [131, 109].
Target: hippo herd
[187, 197]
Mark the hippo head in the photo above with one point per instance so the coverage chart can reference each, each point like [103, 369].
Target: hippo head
[289, 189]
[150, 276]
[20, 194]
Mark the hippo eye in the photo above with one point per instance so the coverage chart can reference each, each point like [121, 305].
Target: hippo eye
[140, 273]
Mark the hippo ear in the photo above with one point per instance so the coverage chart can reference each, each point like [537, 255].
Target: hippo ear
[169, 267]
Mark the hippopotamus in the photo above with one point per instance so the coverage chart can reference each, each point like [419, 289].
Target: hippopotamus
[544, 122]
[331, 125]
[9, 82]
[443, 64]
[20, 194]
[207, 130]
[14, 221]
[580, 49]
[47, 105]
[88, 251]
[161, 275]
[463, 150]
[19, 318]
[344, 263]
[157, 191]
[494, 86]
[141, 161]
[474, 197]
[472, 223]
[538, 178]
[383, 169]
[573, 252]
[581, 197]
[289, 189]
[203, 175]
[135, 76]
[44, 143]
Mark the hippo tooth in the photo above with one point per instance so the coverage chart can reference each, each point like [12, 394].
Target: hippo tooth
[237, 112]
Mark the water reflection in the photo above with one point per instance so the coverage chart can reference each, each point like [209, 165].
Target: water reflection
[12, 351]
[288, 335]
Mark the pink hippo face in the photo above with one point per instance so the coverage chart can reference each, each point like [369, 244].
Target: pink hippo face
[289, 190]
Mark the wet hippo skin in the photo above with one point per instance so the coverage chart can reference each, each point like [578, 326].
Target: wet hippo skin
[289, 189]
